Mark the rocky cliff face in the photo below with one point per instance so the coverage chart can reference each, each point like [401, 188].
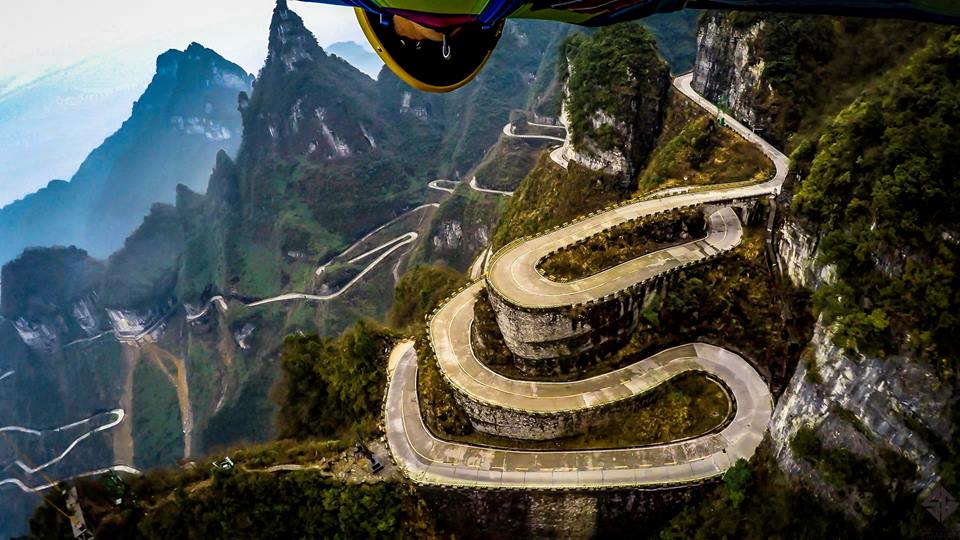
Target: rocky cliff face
[727, 69]
[864, 404]
[184, 117]
[890, 413]
[615, 100]
[881, 409]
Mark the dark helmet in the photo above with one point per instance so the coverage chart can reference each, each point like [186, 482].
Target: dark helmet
[443, 65]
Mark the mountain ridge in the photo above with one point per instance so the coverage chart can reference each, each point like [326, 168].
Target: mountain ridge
[160, 144]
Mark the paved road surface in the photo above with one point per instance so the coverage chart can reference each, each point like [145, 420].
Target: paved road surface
[43, 487]
[513, 273]
[408, 238]
[118, 416]
[476, 187]
[429, 460]
[508, 131]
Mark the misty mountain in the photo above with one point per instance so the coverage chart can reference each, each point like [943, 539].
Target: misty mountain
[49, 124]
[359, 56]
[187, 113]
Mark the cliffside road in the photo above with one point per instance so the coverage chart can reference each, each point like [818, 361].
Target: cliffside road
[474, 186]
[479, 266]
[429, 460]
[43, 487]
[508, 131]
[514, 276]
[215, 301]
[444, 185]
[367, 236]
[118, 416]
[447, 186]
[397, 243]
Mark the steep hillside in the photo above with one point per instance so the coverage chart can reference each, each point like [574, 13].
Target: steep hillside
[866, 425]
[328, 157]
[788, 75]
[184, 117]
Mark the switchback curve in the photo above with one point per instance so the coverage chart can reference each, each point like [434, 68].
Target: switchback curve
[514, 277]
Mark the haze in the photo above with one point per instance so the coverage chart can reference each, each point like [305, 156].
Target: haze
[69, 71]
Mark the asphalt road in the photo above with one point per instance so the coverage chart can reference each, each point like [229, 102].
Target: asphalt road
[513, 273]
[429, 460]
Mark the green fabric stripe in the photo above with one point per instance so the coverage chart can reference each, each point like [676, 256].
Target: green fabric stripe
[524, 12]
[444, 7]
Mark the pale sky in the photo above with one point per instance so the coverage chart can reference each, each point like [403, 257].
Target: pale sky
[110, 48]
[38, 36]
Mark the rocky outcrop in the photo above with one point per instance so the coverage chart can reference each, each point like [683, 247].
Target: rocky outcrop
[866, 405]
[797, 251]
[727, 70]
[614, 130]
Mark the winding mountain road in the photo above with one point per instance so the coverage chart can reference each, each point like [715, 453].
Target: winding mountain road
[118, 416]
[396, 244]
[508, 131]
[514, 276]
[43, 487]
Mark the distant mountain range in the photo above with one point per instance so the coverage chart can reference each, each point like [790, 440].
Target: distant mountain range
[359, 56]
[187, 113]
[48, 125]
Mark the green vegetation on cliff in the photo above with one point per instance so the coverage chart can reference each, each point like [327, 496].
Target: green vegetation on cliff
[157, 429]
[550, 196]
[623, 243]
[734, 302]
[332, 385]
[144, 272]
[688, 405]
[42, 279]
[508, 162]
[882, 193]
[460, 229]
[694, 150]
[248, 502]
[756, 501]
[420, 290]
[815, 66]
[616, 85]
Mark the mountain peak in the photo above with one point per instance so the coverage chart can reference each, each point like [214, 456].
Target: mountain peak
[290, 41]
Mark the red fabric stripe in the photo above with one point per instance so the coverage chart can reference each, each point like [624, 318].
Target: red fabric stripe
[434, 21]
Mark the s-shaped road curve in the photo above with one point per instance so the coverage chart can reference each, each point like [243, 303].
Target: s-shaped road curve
[514, 276]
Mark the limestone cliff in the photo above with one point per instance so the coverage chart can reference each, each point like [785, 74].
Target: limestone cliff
[615, 100]
[727, 69]
[185, 116]
[891, 414]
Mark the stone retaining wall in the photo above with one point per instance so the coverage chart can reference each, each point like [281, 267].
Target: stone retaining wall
[527, 425]
[540, 336]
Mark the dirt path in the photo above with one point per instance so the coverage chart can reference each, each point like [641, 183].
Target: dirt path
[179, 381]
[123, 449]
